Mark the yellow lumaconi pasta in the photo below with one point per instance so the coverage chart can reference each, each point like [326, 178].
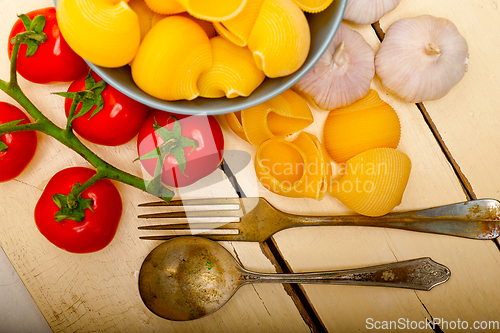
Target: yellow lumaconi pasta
[103, 32]
[280, 38]
[313, 6]
[280, 116]
[366, 124]
[373, 182]
[171, 58]
[233, 72]
[165, 6]
[238, 29]
[144, 13]
[294, 169]
[234, 122]
[213, 10]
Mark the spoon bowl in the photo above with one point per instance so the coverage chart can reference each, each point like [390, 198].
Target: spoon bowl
[190, 277]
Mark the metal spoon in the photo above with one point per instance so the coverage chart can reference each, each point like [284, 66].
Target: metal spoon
[190, 277]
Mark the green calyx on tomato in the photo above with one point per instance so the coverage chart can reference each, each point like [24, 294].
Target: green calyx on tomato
[71, 209]
[90, 97]
[173, 143]
[198, 160]
[3, 145]
[34, 35]
[99, 224]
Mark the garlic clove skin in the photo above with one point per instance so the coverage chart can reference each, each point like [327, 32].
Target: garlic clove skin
[421, 58]
[343, 73]
[368, 11]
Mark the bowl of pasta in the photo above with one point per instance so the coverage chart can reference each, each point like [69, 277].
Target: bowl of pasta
[201, 60]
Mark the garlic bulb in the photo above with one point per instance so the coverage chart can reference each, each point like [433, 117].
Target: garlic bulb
[343, 73]
[421, 58]
[368, 11]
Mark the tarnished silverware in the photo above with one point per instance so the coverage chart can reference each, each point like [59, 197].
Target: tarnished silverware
[259, 220]
[190, 277]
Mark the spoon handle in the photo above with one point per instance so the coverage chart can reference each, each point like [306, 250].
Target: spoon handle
[420, 274]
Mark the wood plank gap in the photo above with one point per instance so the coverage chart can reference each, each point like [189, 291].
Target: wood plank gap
[464, 182]
[232, 179]
[294, 290]
[270, 250]
[435, 327]
[497, 243]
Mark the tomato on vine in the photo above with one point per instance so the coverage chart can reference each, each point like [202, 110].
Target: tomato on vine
[105, 116]
[44, 57]
[91, 224]
[16, 149]
[190, 147]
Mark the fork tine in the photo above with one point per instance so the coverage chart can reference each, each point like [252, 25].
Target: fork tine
[188, 214]
[192, 202]
[216, 238]
[191, 226]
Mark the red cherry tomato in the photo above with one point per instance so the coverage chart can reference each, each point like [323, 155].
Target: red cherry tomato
[99, 224]
[54, 60]
[117, 123]
[20, 146]
[200, 143]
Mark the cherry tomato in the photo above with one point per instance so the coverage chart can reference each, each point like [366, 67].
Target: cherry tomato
[99, 224]
[18, 147]
[117, 123]
[191, 146]
[54, 60]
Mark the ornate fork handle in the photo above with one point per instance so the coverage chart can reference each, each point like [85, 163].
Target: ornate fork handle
[420, 274]
[478, 219]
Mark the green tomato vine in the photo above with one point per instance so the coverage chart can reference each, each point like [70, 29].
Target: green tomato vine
[66, 135]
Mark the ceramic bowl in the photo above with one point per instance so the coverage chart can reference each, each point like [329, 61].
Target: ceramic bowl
[322, 25]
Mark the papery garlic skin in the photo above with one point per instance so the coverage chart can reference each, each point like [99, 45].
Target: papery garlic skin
[368, 11]
[343, 73]
[421, 58]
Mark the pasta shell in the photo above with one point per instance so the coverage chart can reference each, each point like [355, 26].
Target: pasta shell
[374, 181]
[280, 38]
[282, 115]
[233, 72]
[366, 124]
[165, 7]
[234, 122]
[171, 58]
[313, 6]
[293, 169]
[238, 29]
[104, 33]
[145, 15]
[214, 10]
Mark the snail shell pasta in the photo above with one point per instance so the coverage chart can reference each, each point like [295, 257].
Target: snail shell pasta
[280, 46]
[238, 29]
[373, 182]
[103, 32]
[233, 72]
[171, 58]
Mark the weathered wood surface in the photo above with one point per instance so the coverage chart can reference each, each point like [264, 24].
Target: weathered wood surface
[99, 291]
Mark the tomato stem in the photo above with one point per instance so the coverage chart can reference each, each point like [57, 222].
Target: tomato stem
[72, 110]
[66, 136]
[76, 191]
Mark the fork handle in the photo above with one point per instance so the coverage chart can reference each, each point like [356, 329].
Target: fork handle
[419, 274]
[478, 219]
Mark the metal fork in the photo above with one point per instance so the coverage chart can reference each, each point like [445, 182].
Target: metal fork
[259, 220]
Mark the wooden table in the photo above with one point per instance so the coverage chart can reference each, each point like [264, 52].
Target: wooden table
[453, 144]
